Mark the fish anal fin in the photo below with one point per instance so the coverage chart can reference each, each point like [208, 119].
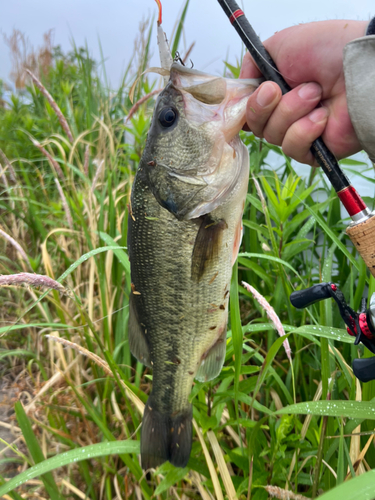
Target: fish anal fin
[137, 337]
[165, 437]
[213, 359]
[206, 246]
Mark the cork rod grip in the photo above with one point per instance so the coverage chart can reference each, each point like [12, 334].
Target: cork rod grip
[363, 238]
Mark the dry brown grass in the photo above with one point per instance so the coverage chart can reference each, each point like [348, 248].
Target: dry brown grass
[24, 56]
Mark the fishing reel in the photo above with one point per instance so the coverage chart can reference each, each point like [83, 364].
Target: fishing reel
[359, 325]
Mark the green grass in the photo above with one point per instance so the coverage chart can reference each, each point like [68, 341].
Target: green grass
[300, 426]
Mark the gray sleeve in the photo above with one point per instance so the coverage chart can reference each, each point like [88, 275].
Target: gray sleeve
[359, 71]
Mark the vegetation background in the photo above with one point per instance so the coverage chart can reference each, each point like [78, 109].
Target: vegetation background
[268, 426]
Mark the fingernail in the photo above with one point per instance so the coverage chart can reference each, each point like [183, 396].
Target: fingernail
[265, 95]
[318, 115]
[310, 91]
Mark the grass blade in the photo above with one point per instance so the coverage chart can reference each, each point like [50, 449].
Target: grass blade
[270, 257]
[349, 409]
[76, 455]
[120, 254]
[180, 26]
[237, 335]
[327, 332]
[17, 352]
[268, 361]
[361, 487]
[35, 451]
[174, 476]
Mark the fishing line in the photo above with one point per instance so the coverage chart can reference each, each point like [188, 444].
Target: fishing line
[160, 11]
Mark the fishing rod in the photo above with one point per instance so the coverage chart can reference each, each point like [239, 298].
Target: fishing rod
[362, 229]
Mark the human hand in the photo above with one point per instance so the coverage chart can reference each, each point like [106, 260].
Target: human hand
[309, 57]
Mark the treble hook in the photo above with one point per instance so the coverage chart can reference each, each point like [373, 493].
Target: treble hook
[177, 58]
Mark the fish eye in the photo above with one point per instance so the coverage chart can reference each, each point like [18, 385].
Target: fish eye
[167, 117]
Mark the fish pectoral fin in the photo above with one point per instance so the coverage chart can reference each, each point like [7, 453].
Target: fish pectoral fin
[206, 246]
[213, 360]
[137, 337]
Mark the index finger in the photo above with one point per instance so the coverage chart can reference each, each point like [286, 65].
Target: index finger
[249, 68]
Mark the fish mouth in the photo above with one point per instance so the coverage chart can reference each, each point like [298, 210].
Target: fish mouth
[206, 88]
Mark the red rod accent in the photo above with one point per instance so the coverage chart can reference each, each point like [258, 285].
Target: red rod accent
[363, 325]
[351, 200]
[237, 13]
[353, 327]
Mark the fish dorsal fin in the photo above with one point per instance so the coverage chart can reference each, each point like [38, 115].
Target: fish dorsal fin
[137, 338]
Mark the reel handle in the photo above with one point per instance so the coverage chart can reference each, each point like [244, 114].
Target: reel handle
[304, 298]
[359, 325]
[364, 369]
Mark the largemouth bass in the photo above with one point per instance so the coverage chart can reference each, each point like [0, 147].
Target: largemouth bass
[184, 233]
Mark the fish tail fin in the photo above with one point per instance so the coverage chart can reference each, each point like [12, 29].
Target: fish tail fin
[181, 437]
[165, 437]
